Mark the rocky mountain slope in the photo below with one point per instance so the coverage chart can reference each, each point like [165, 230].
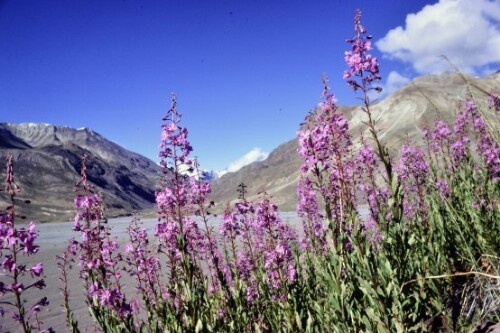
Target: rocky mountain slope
[402, 115]
[47, 166]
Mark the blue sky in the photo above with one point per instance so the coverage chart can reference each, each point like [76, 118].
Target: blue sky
[245, 72]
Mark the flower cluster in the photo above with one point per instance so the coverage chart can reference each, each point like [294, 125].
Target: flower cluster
[316, 145]
[494, 101]
[111, 298]
[174, 146]
[143, 263]
[183, 206]
[367, 169]
[15, 243]
[489, 148]
[326, 149]
[471, 119]
[179, 235]
[412, 174]
[99, 255]
[363, 67]
[312, 219]
[440, 136]
[266, 239]
[274, 239]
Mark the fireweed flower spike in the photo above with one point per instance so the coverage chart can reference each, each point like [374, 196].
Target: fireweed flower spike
[471, 120]
[326, 148]
[15, 243]
[238, 227]
[412, 173]
[265, 242]
[367, 169]
[494, 101]
[220, 277]
[312, 220]
[179, 235]
[144, 265]
[363, 67]
[178, 200]
[362, 73]
[461, 141]
[275, 239]
[489, 148]
[99, 259]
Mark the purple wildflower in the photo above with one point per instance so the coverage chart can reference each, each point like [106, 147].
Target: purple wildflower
[265, 239]
[312, 219]
[412, 174]
[443, 188]
[494, 101]
[37, 269]
[440, 136]
[373, 233]
[229, 225]
[363, 67]
[325, 146]
[143, 263]
[16, 243]
[367, 166]
[183, 194]
[412, 164]
[99, 255]
[488, 147]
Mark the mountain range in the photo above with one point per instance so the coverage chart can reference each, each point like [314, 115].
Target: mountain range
[47, 157]
[47, 164]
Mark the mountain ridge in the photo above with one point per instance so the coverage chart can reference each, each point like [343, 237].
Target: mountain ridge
[47, 162]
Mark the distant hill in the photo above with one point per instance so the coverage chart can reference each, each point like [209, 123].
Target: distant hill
[47, 166]
[403, 115]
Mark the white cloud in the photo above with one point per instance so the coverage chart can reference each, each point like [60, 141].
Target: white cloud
[466, 31]
[254, 155]
[394, 82]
